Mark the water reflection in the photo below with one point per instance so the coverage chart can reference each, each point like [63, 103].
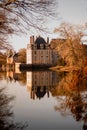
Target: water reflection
[39, 83]
[68, 89]
[6, 113]
[16, 77]
[71, 95]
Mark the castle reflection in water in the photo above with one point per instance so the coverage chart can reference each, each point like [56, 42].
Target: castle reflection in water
[38, 83]
[70, 92]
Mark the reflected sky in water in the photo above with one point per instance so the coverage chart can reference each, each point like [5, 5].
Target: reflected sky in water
[44, 101]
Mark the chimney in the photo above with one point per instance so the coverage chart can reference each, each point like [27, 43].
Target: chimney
[31, 39]
[47, 40]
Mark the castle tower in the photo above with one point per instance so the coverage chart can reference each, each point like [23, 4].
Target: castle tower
[39, 52]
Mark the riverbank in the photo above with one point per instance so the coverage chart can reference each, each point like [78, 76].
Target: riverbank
[69, 68]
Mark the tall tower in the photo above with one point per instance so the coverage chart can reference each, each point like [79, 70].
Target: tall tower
[29, 51]
[39, 52]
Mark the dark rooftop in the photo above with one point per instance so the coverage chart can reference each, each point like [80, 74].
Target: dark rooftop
[40, 40]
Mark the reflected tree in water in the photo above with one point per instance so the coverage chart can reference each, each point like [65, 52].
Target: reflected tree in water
[20, 77]
[6, 113]
[71, 94]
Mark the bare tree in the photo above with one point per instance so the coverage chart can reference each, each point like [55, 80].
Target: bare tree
[18, 15]
[5, 29]
[28, 13]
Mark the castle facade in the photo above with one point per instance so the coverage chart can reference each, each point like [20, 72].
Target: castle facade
[39, 52]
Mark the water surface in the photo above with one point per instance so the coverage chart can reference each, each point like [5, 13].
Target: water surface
[44, 100]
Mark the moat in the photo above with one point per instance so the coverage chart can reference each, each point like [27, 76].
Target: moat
[42, 100]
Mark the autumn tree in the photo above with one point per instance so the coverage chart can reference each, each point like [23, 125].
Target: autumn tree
[2, 59]
[70, 46]
[22, 55]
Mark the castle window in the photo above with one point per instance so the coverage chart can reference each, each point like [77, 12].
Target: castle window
[35, 82]
[35, 52]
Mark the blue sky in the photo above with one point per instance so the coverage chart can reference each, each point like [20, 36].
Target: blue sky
[72, 11]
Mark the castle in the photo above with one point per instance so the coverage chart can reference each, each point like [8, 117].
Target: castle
[39, 52]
